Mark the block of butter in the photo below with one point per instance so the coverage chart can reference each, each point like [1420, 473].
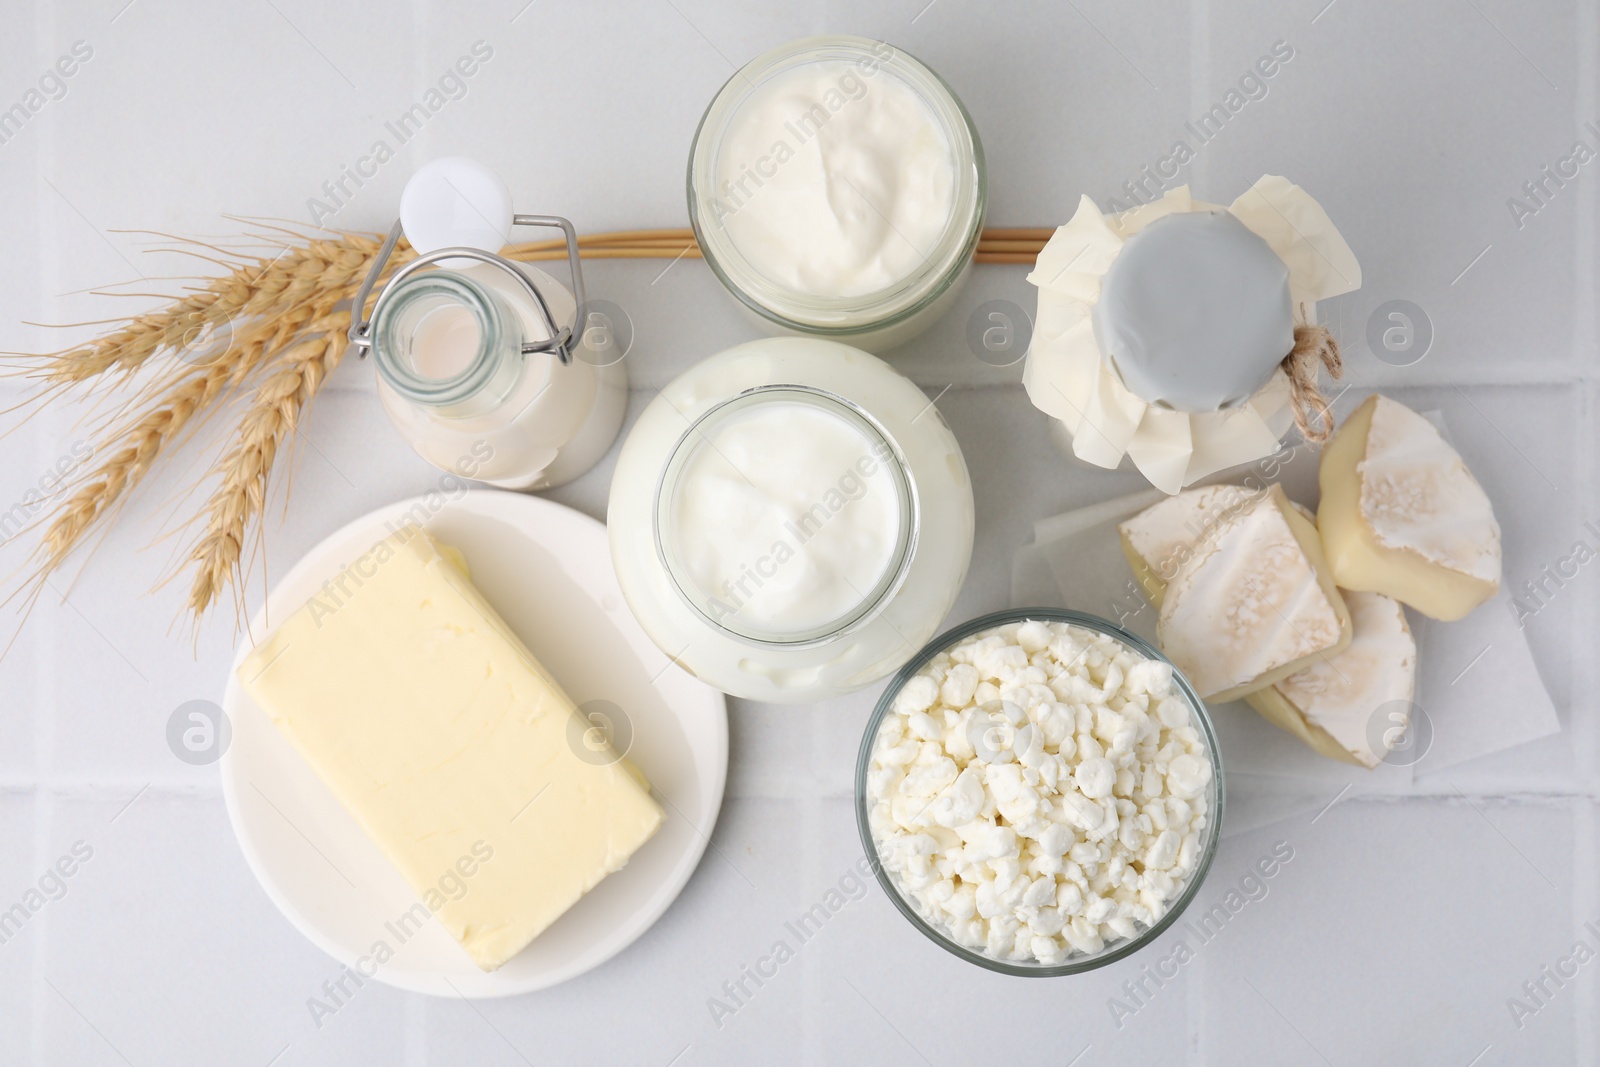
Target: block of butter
[1254, 604]
[1348, 707]
[1402, 515]
[447, 741]
[1163, 537]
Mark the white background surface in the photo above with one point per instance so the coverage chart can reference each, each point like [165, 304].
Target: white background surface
[1401, 926]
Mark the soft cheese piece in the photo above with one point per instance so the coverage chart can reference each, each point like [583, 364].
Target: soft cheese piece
[1161, 538]
[450, 743]
[1331, 705]
[1255, 604]
[1402, 515]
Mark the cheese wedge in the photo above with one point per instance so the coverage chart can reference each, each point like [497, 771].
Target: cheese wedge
[1402, 515]
[1161, 538]
[450, 745]
[1331, 705]
[1255, 604]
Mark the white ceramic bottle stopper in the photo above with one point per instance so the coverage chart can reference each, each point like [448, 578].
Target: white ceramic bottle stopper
[456, 202]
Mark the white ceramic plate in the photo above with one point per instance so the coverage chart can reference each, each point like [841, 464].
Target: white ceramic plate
[547, 570]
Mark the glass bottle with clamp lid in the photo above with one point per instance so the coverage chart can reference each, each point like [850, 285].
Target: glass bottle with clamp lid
[479, 357]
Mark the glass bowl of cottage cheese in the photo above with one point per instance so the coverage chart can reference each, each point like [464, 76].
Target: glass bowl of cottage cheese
[1041, 792]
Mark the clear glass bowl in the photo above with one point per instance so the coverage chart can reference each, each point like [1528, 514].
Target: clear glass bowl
[1077, 962]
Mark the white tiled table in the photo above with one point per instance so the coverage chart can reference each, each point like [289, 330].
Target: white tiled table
[1401, 926]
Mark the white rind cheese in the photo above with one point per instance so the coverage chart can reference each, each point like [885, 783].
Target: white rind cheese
[1418, 496]
[1161, 538]
[1401, 514]
[450, 745]
[1332, 705]
[1255, 604]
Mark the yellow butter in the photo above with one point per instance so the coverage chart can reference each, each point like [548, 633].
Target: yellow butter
[451, 745]
[1254, 604]
[1402, 515]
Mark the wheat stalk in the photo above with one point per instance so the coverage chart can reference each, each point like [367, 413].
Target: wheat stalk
[275, 412]
[253, 289]
[273, 309]
[106, 483]
[136, 442]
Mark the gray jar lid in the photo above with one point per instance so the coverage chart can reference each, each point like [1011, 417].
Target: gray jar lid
[1195, 312]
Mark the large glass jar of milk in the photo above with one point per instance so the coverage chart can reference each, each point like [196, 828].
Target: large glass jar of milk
[837, 188]
[791, 520]
[453, 376]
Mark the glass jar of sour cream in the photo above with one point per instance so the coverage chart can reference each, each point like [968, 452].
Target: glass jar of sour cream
[837, 188]
[791, 519]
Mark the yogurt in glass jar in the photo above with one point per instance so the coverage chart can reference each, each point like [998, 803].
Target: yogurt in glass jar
[836, 187]
[791, 519]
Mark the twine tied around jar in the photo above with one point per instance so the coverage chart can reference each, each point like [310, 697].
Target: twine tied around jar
[1314, 348]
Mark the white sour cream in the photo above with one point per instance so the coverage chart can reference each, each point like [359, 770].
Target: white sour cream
[787, 516]
[677, 519]
[834, 179]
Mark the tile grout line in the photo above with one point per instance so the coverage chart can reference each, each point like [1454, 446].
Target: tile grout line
[1585, 909]
[1553, 380]
[113, 788]
[414, 1041]
[1583, 274]
[36, 949]
[1585, 674]
[811, 834]
[1199, 74]
[931, 379]
[47, 652]
[120, 787]
[45, 659]
[1586, 341]
[416, 149]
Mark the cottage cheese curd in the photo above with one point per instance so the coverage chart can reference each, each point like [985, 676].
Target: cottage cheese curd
[1040, 790]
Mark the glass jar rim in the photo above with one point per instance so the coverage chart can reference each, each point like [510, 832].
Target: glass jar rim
[695, 438]
[1122, 949]
[488, 315]
[842, 316]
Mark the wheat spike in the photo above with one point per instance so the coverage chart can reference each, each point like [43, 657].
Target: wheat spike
[272, 307]
[276, 410]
